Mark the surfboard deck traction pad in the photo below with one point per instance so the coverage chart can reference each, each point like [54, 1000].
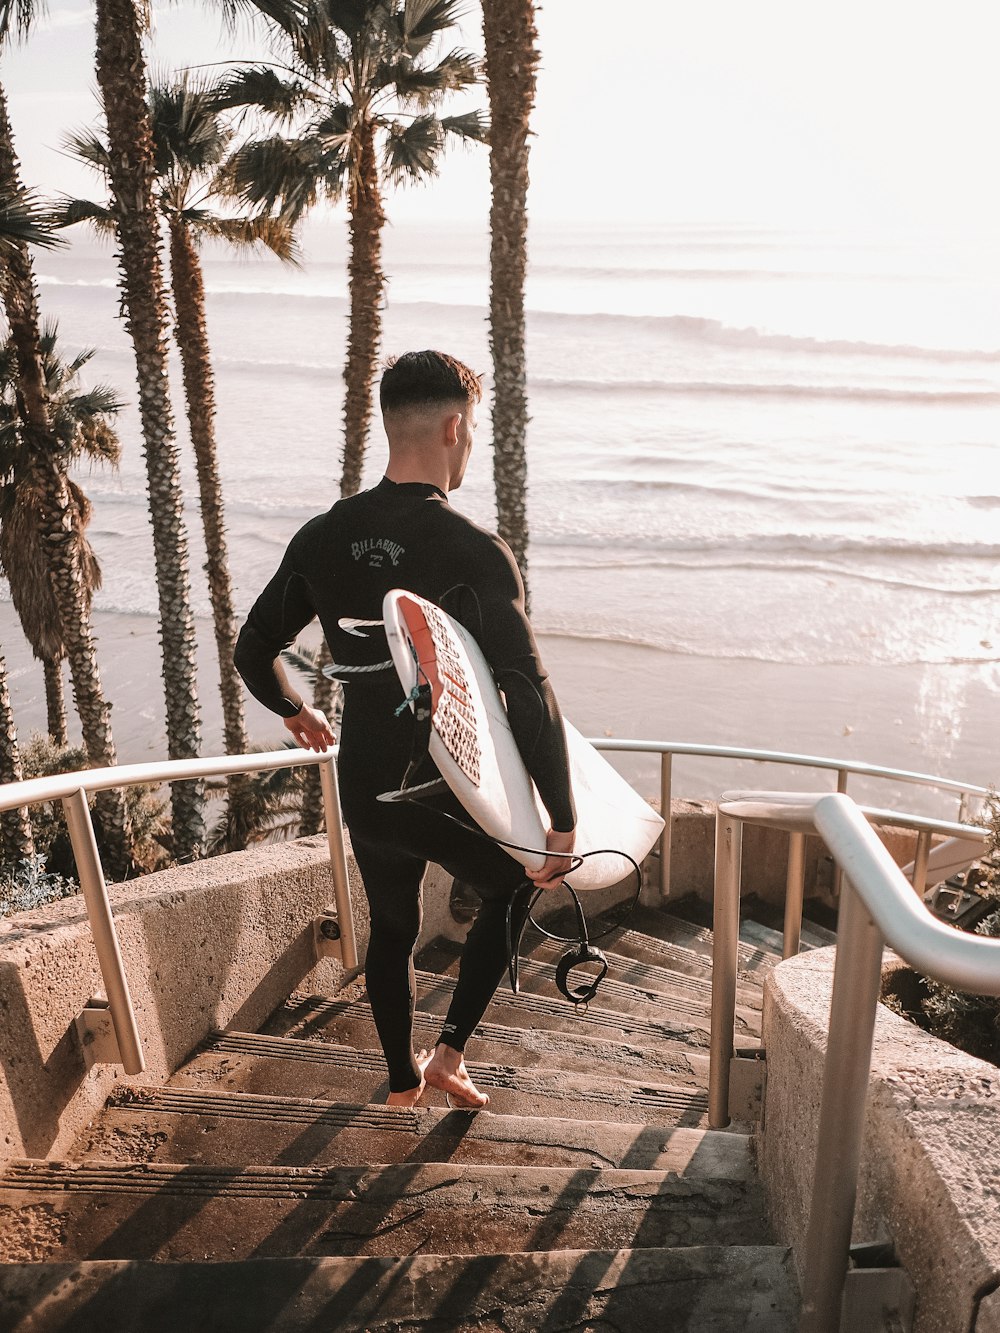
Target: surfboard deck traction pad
[454, 715]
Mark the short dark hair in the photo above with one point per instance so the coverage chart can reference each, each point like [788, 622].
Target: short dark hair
[418, 379]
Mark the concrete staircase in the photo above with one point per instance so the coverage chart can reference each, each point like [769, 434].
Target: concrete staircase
[265, 1187]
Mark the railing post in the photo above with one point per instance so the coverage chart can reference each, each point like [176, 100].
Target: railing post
[338, 862]
[725, 957]
[857, 982]
[102, 929]
[666, 766]
[795, 888]
[921, 856]
[838, 874]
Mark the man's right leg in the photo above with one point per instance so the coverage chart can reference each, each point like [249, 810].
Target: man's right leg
[392, 885]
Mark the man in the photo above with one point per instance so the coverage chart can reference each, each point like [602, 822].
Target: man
[404, 534]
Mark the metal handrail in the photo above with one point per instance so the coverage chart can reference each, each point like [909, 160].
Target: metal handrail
[842, 767]
[73, 788]
[878, 907]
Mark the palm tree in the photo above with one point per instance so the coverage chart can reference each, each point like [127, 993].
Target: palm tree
[16, 842]
[121, 76]
[511, 59]
[190, 143]
[370, 76]
[81, 424]
[55, 512]
[25, 220]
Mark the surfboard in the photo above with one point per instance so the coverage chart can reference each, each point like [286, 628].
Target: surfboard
[474, 750]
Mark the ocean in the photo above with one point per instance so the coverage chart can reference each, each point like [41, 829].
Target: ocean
[747, 449]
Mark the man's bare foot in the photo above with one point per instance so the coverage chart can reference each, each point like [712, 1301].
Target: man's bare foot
[446, 1071]
[410, 1096]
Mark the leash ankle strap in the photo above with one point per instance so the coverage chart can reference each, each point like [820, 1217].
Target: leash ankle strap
[585, 952]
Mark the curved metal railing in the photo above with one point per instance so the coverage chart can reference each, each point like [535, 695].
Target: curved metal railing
[73, 789]
[878, 907]
[843, 768]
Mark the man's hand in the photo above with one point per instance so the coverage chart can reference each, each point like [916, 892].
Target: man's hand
[310, 728]
[557, 863]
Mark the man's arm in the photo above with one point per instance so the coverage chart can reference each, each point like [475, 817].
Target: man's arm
[282, 610]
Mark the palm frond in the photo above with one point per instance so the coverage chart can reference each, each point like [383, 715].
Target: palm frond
[99, 440]
[286, 15]
[304, 660]
[188, 135]
[351, 17]
[272, 173]
[286, 176]
[249, 234]
[91, 148]
[411, 152]
[427, 84]
[473, 126]
[269, 807]
[68, 212]
[261, 88]
[18, 16]
[25, 220]
[336, 121]
[423, 20]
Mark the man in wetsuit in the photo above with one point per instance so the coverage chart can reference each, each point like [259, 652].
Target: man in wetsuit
[404, 534]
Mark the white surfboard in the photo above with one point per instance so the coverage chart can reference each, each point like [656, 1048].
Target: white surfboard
[472, 745]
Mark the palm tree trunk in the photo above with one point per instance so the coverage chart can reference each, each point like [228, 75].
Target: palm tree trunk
[511, 59]
[122, 80]
[311, 809]
[17, 282]
[16, 841]
[367, 284]
[199, 389]
[55, 703]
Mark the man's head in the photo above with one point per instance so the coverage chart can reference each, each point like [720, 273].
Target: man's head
[429, 402]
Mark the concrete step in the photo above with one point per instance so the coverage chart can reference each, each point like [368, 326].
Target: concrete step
[657, 976]
[625, 974]
[170, 1212]
[812, 936]
[752, 956]
[760, 945]
[614, 999]
[647, 948]
[744, 1289]
[552, 1013]
[234, 1129]
[350, 1023]
[248, 1062]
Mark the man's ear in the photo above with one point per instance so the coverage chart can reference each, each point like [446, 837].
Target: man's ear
[451, 425]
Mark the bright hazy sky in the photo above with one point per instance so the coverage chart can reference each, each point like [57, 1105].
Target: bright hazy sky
[762, 111]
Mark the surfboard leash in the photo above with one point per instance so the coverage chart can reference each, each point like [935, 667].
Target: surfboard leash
[585, 951]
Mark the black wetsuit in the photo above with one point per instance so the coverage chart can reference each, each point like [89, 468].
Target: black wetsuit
[339, 566]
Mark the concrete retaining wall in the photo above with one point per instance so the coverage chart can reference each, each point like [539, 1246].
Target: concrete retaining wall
[930, 1172]
[217, 943]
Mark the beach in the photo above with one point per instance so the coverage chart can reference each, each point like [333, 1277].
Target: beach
[941, 722]
[763, 482]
